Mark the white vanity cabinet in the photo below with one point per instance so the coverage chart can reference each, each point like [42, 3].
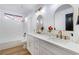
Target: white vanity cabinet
[32, 45]
[35, 46]
[53, 49]
[38, 46]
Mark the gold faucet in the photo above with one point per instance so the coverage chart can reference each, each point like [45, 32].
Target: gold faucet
[60, 34]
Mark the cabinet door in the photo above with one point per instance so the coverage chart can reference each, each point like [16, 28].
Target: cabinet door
[33, 45]
[36, 46]
[30, 44]
[44, 49]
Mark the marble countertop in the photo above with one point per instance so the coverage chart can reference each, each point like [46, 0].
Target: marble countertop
[68, 44]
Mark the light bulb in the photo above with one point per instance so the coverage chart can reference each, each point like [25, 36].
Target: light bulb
[26, 19]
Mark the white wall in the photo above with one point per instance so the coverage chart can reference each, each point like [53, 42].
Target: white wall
[10, 30]
[60, 18]
[47, 19]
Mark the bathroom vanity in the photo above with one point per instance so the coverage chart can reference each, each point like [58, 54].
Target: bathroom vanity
[63, 37]
[42, 44]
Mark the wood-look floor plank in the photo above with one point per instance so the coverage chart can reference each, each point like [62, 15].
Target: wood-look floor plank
[18, 50]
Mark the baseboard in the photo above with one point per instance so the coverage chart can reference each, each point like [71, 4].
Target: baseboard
[11, 44]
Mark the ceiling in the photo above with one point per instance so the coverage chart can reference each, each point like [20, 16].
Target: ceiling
[27, 9]
[24, 9]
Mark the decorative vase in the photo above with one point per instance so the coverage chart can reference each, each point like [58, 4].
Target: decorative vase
[50, 34]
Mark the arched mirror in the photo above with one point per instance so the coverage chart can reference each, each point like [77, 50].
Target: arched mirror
[39, 27]
[64, 17]
[39, 19]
